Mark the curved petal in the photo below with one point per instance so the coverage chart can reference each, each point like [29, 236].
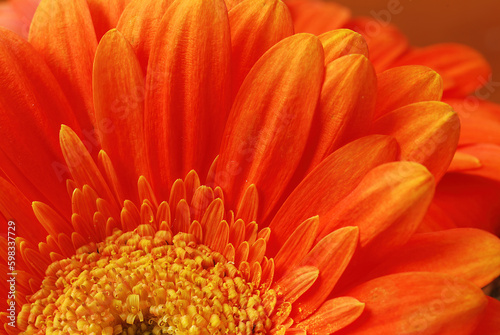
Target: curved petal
[187, 89]
[405, 85]
[139, 23]
[471, 198]
[316, 16]
[385, 42]
[387, 206]
[332, 316]
[62, 32]
[463, 162]
[270, 120]
[83, 169]
[330, 256]
[342, 42]
[471, 254]
[417, 303]
[345, 107]
[119, 105]
[463, 69]
[427, 132]
[256, 25]
[330, 182]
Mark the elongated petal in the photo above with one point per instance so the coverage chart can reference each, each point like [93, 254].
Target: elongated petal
[463, 162]
[139, 23]
[255, 27]
[296, 246]
[105, 14]
[276, 100]
[346, 105]
[387, 206]
[332, 316]
[385, 42]
[427, 132]
[463, 69]
[342, 42]
[330, 256]
[489, 157]
[187, 90]
[119, 105]
[63, 33]
[468, 253]
[330, 182]
[317, 17]
[417, 303]
[80, 164]
[405, 85]
[30, 121]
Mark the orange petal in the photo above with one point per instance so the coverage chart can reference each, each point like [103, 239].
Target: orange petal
[139, 23]
[256, 25]
[297, 281]
[63, 33]
[80, 164]
[489, 156]
[463, 69]
[277, 99]
[105, 14]
[331, 256]
[405, 85]
[463, 162]
[330, 182]
[119, 105]
[385, 42]
[187, 90]
[342, 42]
[296, 246]
[345, 107]
[471, 254]
[332, 316]
[490, 322]
[480, 120]
[427, 132]
[29, 146]
[417, 303]
[387, 206]
[317, 17]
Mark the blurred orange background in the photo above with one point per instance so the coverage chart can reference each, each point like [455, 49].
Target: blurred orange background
[474, 23]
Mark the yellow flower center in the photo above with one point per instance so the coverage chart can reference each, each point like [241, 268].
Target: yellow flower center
[146, 282]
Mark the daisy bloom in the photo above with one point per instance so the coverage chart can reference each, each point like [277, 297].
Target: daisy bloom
[476, 202]
[197, 167]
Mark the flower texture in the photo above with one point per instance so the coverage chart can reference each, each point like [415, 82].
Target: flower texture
[475, 166]
[199, 170]
[469, 194]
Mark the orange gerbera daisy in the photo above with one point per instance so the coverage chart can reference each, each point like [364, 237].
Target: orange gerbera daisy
[304, 200]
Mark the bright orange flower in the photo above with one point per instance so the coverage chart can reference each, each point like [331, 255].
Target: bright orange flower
[469, 195]
[306, 221]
